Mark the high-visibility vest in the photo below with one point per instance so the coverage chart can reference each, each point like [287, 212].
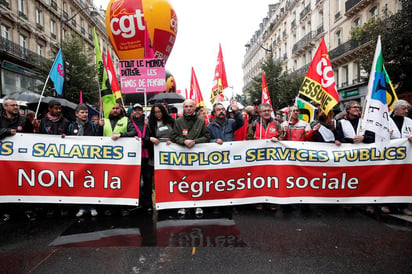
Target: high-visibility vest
[121, 126]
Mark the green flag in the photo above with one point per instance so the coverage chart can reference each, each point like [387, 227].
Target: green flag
[107, 99]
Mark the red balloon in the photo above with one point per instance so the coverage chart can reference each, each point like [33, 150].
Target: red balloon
[127, 21]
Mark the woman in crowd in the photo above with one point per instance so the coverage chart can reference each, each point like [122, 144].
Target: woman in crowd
[160, 124]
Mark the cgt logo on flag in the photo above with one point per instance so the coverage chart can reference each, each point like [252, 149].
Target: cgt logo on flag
[56, 73]
[319, 83]
[324, 70]
[60, 70]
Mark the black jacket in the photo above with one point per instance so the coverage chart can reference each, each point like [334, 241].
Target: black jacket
[19, 123]
[55, 128]
[90, 129]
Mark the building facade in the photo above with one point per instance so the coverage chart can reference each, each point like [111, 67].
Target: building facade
[34, 29]
[293, 29]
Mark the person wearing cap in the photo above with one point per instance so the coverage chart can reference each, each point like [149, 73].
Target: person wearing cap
[54, 122]
[188, 131]
[137, 127]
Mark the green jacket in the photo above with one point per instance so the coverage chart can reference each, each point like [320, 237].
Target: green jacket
[190, 128]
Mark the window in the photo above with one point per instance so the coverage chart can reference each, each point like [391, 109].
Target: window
[21, 6]
[4, 32]
[39, 17]
[345, 75]
[356, 23]
[40, 50]
[338, 6]
[356, 72]
[22, 42]
[53, 29]
[373, 13]
[338, 37]
[82, 26]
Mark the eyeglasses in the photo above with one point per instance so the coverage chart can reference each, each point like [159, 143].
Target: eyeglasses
[358, 107]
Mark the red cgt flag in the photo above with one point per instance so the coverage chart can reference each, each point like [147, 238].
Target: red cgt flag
[220, 80]
[195, 90]
[319, 83]
[265, 93]
[111, 73]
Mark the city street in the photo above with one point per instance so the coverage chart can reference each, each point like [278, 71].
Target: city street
[294, 239]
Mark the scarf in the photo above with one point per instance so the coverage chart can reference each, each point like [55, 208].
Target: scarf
[52, 118]
[81, 125]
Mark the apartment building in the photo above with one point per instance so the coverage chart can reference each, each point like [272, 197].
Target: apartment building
[293, 29]
[34, 29]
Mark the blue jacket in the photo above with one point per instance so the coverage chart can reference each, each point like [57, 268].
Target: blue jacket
[226, 131]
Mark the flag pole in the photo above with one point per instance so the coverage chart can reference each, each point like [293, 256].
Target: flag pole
[100, 99]
[41, 95]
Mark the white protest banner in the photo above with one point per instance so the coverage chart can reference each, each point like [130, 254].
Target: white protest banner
[261, 171]
[39, 168]
[142, 75]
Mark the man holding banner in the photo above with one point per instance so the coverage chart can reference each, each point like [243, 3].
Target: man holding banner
[400, 126]
[346, 128]
[222, 129]
[11, 121]
[54, 122]
[188, 131]
[266, 126]
[295, 129]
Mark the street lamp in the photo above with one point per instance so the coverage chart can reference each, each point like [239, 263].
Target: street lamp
[93, 13]
[260, 45]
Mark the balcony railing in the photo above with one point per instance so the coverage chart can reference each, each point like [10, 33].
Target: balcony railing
[350, 4]
[304, 12]
[346, 47]
[304, 41]
[4, 3]
[11, 48]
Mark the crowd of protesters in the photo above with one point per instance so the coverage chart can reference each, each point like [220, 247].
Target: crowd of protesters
[192, 127]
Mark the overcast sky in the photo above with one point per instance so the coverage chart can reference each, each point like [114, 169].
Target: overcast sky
[202, 25]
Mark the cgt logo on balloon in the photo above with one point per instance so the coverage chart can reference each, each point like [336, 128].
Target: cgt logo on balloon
[127, 21]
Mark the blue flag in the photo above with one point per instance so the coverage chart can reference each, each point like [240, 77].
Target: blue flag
[57, 73]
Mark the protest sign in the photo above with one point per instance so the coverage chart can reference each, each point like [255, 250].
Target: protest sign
[40, 168]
